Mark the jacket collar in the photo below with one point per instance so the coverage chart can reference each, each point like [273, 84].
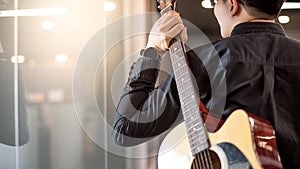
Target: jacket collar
[258, 27]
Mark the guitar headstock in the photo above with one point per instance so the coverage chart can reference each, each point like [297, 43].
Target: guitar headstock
[166, 5]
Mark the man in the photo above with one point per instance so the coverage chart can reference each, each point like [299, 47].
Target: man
[262, 75]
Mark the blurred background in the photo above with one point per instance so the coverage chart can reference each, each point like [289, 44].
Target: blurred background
[63, 65]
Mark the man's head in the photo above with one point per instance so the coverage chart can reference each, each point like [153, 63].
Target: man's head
[229, 13]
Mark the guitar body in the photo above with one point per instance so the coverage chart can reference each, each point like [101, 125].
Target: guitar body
[243, 141]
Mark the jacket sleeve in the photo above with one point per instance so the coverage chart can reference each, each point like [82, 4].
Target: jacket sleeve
[145, 111]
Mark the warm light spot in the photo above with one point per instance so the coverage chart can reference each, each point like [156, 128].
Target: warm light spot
[18, 59]
[35, 97]
[34, 12]
[284, 19]
[61, 58]
[206, 4]
[109, 6]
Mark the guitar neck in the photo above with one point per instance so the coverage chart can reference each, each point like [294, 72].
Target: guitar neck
[188, 95]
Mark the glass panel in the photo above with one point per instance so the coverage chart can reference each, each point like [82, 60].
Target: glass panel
[48, 37]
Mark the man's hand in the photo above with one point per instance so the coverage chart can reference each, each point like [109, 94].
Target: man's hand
[165, 29]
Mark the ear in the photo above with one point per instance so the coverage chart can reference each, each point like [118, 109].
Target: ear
[235, 7]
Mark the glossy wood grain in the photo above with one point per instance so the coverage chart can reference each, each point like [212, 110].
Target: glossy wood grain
[265, 142]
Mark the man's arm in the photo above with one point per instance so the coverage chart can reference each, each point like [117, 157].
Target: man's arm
[145, 111]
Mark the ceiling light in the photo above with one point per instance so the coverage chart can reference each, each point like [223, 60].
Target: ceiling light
[284, 19]
[291, 5]
[206, 4]
[48, 25]
[61, 58]
[109, 6]
[34, 12]
[18, 59]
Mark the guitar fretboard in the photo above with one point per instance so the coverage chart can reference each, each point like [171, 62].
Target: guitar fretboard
[188, 95]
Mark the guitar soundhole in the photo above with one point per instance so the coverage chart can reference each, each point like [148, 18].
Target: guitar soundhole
[207, 159]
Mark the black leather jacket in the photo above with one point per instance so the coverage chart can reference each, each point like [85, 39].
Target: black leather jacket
[260, 67]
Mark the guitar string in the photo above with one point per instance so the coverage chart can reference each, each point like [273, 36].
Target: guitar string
[210, 160]
[201, 156]
[205, 159]
[197, 163]
[200, 161]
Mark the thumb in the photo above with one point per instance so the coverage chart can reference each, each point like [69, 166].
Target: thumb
[184, 35]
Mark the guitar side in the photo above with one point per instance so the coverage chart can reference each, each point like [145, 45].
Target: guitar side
[250, 137]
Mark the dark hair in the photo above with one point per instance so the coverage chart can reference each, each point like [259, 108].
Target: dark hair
[264, 9]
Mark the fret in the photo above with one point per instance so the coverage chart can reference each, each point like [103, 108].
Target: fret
[195, 145]
[196, 131]
[180, 69]
[199, 139]
[191, 125]
[188, 102]
[198, 148]
[191, 116]
[184, 74]
[194, 127]
[184, 79]
[187, 96]
[180, 62]
[186, 89]
[195, 141]
[194, 109]
[176, 47]
[183, 88]
[200, 134]
[187, 114]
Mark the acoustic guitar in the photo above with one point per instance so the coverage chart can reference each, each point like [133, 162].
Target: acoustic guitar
[242, 141]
